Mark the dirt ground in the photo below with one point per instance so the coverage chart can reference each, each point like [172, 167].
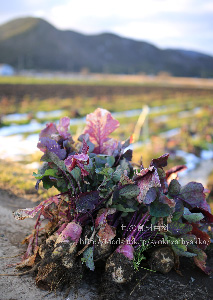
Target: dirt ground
[146, 285]
[42, 91]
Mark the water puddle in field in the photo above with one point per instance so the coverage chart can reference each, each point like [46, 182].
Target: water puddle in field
[18, 129]
[38, 115]
[35, 125]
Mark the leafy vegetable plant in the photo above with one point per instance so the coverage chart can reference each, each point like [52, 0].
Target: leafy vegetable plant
[105, 209]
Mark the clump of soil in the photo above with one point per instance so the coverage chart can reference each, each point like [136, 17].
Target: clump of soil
[162, 260]
[118, 268]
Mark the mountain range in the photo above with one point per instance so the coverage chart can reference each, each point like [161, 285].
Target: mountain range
[33, 43]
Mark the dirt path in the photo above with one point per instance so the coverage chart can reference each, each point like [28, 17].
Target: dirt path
[194, 285]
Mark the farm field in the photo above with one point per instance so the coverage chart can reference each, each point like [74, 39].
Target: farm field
[179, 120]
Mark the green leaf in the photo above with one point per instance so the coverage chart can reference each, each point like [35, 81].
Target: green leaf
[158, 209]
[129, 191]
[45, 158]
[117, 174]
[43, 168]
[181, 250]
[125, 165]
[189, 238]
[100, 161]
[120, 207]
[48, 172]
[55, 159]
[47, 183]
[192, 217]
[61, 185]
[110, 160]
[88, 258]
[90, 168]
[179, 245]
[76, 173]
[104, 171]
[177, 215]
[153, 220]
[174, 188]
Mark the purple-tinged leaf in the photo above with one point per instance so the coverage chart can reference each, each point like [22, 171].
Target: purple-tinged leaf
[203, 239]
[208, 217]
[200, 259]
[22, 214]
[151, 195]
[63, 127]
[46, 143]
[99, 125]
[165, 200]
[163, 181]
[177, 228]
[50, 131]
[145, 180]
[204, 205]
[79, 160]
[85, 137]
[179, 207]
[85, 147]
[87, 201]
[160, 162]
[193, 194]
[108, 147]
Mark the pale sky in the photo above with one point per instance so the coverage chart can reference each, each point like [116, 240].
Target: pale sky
[186, 24]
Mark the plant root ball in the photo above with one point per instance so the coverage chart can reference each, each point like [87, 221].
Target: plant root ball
[162, 260]
[119, 268]
[57, 267]
[54, 275]
[51, 275]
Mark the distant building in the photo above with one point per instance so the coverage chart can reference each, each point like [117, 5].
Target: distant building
[6, 70]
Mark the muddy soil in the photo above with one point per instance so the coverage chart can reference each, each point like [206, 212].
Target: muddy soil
[146, 285]
[42, 91]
